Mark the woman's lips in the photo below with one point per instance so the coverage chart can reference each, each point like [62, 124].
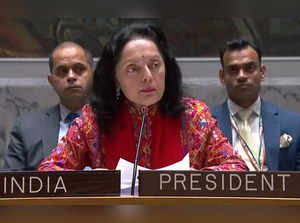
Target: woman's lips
[148, 90]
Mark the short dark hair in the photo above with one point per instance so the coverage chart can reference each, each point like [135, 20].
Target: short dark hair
[87, 53]
[239, 44]
[104, 101]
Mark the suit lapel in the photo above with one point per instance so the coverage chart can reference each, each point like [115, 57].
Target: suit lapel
[224, 121]
[50, 129]
[271, 132]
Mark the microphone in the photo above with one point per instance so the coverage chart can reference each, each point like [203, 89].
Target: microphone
[144, 111]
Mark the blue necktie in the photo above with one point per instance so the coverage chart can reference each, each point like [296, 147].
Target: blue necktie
[70, 117]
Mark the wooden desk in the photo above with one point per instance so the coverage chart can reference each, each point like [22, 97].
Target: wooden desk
[150, 209]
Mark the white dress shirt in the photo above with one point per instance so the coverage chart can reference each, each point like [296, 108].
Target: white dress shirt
[63, 127]
[254, 125]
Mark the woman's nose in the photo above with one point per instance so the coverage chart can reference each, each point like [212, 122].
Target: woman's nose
[147, 74]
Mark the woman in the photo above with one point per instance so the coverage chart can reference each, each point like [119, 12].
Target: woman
[135, 75]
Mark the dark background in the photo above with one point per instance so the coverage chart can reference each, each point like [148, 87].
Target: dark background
[194, 28]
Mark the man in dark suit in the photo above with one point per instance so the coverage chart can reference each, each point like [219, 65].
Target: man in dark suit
[34, 135]
[265, 135]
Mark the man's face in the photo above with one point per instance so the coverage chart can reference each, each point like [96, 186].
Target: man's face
[241, 75]
[71, 76]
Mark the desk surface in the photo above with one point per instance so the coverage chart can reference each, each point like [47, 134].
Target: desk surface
[138, 200]
[134, 209]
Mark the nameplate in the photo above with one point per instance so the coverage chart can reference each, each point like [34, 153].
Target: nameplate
[60, 183]
[219, 184]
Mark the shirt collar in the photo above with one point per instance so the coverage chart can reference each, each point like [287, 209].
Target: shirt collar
[234, 108]
[64, 111]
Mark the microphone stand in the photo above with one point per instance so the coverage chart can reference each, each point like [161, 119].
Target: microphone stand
[144, 110]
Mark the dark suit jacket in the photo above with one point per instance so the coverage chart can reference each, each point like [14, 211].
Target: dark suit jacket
[276, 121]
[32, 139]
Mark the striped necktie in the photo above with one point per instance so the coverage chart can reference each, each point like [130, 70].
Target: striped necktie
[246, 133]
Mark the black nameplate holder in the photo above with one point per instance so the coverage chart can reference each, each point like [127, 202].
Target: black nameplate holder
[219, 184]
[60, 183]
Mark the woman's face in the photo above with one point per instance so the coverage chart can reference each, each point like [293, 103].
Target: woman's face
[140, 72]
